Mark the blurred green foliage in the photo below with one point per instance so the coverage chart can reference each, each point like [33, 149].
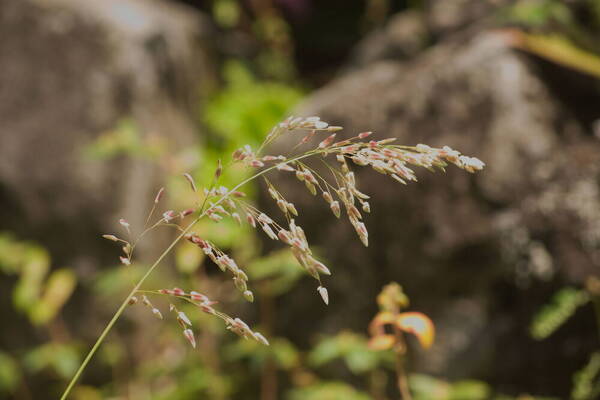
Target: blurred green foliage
[552, 316]
[39, 293]
[246, 109]
[327, 391]
[352, 349]
[586, 382]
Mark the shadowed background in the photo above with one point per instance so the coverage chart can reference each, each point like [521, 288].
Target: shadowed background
[102, 103]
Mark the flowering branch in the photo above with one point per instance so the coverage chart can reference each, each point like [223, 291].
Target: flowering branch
[220, 202]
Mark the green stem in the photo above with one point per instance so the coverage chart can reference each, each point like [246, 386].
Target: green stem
[121, 309]
[116, 316]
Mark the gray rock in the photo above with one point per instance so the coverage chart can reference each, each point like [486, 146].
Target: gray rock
[75, 71]
[479, 253]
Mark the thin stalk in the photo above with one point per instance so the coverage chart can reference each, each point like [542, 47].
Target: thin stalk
[123, 305]
[401, 376]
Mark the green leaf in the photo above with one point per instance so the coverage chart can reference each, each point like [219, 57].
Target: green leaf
[552, 316]
[34, 270]
[327, 391]
[59, 288]
[61, 358]
[586, 382]
[10, 375]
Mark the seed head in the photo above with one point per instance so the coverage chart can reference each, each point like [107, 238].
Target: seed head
[324, 295]
[169, 215]
[292, 209]
[258, 336]
[285, 236]
[187, 212]
[366, 207]
[335, 208]
[183, 318]
[249, 296]
[282, 204]
[327, 142]
[189, 335]
[198, 296]
[159, 195]
[157, 312]
[189, 178]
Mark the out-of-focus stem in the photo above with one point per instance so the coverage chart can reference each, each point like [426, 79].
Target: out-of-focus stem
[401, 376]
[268, 390]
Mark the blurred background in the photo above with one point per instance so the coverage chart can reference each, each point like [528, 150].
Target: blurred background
[104, 102]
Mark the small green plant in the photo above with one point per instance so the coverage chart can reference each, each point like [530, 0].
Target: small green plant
[217, 203]
[392, 300]
[586, 382]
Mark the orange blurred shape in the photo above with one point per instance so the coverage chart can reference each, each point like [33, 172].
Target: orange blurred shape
[419, 325]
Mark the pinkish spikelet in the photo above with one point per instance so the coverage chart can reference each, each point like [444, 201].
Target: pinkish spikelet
[190, 180]
[251, 220]
[178, 292]
[364, 135]
[198, 296]
[125, 260]
[187, 212]
[282, 204]
[269, 231]
[169, 215]
[184, 318]
[189, 335]
[327, 142]
[159, 195]
[324, 294]
[285, 167]
[261, 338]
[257, 164]
[335, 208]
[284, 236]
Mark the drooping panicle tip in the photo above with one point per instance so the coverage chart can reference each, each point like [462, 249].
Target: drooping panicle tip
[189, 178]
[159, 195]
